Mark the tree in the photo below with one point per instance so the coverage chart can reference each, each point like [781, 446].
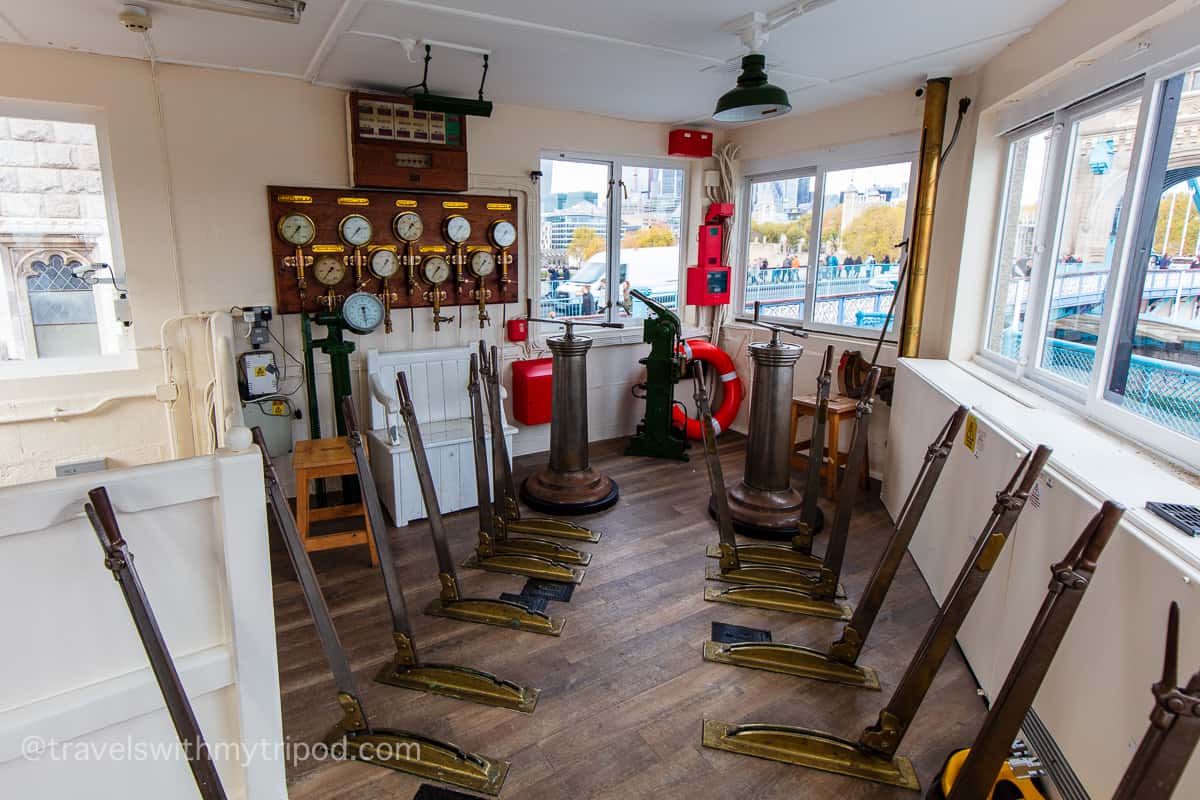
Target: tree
[875, 232]
[585, 243]
[831, 224]
[1181, 201]
[658, 235]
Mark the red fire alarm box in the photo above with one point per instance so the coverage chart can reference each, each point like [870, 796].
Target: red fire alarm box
[691, 143]
[707, 286]
[533, 384]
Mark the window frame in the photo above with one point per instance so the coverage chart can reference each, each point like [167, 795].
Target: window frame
[1092, 401]
[125, 357]
[818, 164]
[616, 164]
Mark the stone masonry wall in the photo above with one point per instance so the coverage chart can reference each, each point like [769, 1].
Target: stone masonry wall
[50, 178]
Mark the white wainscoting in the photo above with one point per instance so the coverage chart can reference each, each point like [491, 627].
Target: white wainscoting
[74, 670]
[1096, 699]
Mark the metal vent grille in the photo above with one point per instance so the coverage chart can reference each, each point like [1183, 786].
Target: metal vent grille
[1066, 782]
[1186, 518]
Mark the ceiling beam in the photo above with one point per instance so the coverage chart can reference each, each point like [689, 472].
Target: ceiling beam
[337, 26]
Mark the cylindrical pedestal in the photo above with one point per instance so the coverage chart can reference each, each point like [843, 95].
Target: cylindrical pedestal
[568, 484]
[763, 503]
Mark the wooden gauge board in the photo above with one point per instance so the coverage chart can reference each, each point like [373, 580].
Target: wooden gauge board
[328, 208]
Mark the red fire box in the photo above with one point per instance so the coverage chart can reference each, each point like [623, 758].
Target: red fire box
[533, 384]
[684, 142]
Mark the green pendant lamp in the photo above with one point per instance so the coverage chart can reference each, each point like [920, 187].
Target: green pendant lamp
[753, 98]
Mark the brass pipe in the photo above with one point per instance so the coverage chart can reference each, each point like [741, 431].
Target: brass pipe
[937, 94]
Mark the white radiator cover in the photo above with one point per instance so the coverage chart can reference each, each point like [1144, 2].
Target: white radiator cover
[1096, 698]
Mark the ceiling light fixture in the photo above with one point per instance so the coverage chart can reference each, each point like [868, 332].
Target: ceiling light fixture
[754, 97]
[274, 10]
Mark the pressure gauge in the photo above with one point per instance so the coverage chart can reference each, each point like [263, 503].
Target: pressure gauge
[457, 228]
[408, 226]
[296, 229]
[502, 233]
[362, 312]
[384, 263]
[482, 263]
[329, 270]
[355, 230]
[435, 270]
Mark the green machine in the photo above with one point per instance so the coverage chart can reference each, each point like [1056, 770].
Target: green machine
[656, 436]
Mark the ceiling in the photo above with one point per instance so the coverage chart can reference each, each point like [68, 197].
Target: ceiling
[659, 61]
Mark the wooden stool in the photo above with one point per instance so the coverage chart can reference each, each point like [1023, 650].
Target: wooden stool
[328, 458]
[840, 408]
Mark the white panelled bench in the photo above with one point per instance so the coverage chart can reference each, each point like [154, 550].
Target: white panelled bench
[437, 380]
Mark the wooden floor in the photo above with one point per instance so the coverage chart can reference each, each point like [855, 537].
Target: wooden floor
[624, 689]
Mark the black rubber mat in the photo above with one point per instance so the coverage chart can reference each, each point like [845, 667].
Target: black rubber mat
[1186, 518]
[430, 792]
[532, 603]
[731, 634]
[551, 590]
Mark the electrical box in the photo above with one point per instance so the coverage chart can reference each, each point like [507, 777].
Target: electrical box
[708, 286]
[394, 146]
[275, 419]
[533, 387]
[691, 143]
[257, 374]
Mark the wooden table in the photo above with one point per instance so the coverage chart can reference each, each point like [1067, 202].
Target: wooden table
[328, 458]
[840, 408]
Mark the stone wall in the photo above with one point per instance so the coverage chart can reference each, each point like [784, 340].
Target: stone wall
[50, 178]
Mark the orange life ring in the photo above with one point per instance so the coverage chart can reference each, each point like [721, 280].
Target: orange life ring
[732, 391]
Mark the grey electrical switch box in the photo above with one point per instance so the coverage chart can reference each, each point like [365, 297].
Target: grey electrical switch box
[80, 467]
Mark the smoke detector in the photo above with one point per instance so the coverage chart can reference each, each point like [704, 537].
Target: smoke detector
[136, 19]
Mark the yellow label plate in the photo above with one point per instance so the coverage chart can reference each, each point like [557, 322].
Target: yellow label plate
[371, 248]
[971, 432]
[474, 248]
[455, 204]
[432, 248]
[499, 206]
[353, 201]
[328, 248]
[406, 204]
[293, 198]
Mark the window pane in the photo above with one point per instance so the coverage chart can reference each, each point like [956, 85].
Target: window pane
[53, 302]
[862, 221]
[777, 255]
[1157, 374]
[574, 270]
[651, 221]
[1101, 147]
[1010, 295]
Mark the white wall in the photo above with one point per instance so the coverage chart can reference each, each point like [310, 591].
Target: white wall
[227, 136]
[74, 670]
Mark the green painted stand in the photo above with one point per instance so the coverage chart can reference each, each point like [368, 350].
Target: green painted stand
[656, 436]
[338, 349]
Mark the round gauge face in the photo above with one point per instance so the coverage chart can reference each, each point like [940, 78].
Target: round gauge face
[296, 229]
[435, 270]
[384, 263]
[355, 230]
[329, 270]
[503, 233]
[483, 263]
[408, 226]
[458, 229]
[362, 312]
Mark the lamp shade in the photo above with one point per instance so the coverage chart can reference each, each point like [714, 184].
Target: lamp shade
[753, 98]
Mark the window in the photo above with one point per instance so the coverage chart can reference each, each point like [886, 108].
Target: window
[1021, 212]
[1093, 304]
[821, 244]
[57, 288]
[604, 236]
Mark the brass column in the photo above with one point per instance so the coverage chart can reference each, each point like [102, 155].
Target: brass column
[937, 93]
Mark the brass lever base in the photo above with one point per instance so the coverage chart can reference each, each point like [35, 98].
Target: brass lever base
[500, 613]
[812, 749]
[791, 659]
[415, 754]
[544, 548]
[775, 555]
[554, 528]
[779, 598]
[527, 565]
[763, 575]
[461, 683]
